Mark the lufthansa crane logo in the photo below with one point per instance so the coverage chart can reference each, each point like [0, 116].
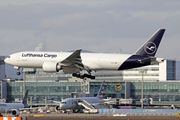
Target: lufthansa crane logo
[150, 48]
[118, 86]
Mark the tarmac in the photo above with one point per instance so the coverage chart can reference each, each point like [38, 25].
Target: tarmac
[82, 116]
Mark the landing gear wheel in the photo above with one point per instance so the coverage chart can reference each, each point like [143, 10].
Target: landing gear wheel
[18, 73]
[83, 76]
[92, 77]
[74, 74]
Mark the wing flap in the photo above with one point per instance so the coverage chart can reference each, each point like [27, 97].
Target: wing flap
[73, 63]
[32, 108]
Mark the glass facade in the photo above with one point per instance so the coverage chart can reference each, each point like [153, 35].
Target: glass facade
[109, 89]
[163, 93]
[0, 90]
[38, 74]
[171, 65]
[38, 90]
[2, 67]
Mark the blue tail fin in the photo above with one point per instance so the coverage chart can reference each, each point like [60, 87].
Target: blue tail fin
[101, 90]
[24, 101]
[150, 47]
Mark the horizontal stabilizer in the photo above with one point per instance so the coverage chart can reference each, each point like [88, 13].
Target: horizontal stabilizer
[152, 60]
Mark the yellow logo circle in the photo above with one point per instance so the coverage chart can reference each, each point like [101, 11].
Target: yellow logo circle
[118, 86]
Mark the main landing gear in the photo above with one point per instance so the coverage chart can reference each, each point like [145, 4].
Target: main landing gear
[78, 75]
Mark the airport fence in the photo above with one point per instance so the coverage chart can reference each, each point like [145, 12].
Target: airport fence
[139, 111]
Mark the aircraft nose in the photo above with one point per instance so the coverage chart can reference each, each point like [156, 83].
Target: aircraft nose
[6, 60]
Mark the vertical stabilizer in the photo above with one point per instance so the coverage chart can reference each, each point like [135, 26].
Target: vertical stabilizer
[101, 90]
[150, 47]
[24, 101]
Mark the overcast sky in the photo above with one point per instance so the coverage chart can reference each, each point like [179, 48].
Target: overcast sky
[108, 26]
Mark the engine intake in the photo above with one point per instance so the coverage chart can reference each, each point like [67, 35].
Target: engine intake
[16, 112]
[51, 67]
[57, 108]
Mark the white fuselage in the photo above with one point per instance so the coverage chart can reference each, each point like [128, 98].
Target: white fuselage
[71, 103]
[6, 107]
[94, 61]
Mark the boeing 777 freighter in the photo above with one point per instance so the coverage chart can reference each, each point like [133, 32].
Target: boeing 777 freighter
[74, 63]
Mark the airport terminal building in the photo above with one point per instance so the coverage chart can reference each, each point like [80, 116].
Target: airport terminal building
[160, 82]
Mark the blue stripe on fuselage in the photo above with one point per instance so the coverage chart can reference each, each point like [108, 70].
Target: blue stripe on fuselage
[133, 62]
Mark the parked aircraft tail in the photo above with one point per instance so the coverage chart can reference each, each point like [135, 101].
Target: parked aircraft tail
[101, 90]
[150, 47]
[24, 101]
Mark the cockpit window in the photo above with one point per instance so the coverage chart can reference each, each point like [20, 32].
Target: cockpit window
[63, 102]
[8, 56]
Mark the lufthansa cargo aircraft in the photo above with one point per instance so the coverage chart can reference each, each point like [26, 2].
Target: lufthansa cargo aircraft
[76, 62]
[89, 102]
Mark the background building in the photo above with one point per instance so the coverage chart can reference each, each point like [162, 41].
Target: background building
[167, 70]
[160, 83]
[2, 67]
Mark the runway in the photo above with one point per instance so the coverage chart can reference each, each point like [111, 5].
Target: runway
[82, 116]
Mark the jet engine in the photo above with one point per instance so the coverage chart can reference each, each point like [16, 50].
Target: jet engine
[15, 112]
[96, 106]
[57, 108]
[51, 67]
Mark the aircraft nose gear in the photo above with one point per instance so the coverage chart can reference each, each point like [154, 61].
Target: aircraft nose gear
[18, 71]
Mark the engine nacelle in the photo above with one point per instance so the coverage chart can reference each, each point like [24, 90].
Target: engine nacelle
[96, 106]
[57, 108]
[15, 112]
[51, 67]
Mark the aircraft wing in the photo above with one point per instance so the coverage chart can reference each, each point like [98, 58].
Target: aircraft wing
[73, 63]
[20, 109]
[56, 102]
[32, 108]
[53, 101]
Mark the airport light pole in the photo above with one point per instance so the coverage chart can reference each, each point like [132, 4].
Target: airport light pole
[142, 72]
[24, 77]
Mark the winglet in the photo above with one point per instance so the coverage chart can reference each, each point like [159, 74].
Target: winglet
[150, 47]
[101, 90]
[24, 101]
